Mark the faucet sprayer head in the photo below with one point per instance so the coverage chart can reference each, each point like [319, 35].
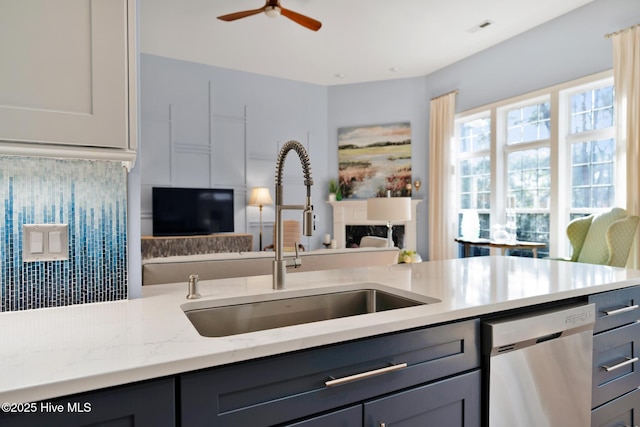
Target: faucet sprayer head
[307, 221]
[304, 159]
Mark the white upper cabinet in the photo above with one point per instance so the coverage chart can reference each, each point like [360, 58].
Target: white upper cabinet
[67, 72]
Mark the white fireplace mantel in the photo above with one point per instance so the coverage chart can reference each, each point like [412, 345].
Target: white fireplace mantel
[354, 212]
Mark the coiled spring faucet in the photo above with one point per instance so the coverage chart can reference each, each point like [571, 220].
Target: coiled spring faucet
[280, 264]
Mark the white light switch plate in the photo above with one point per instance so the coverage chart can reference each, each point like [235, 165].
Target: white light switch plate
[45, 242]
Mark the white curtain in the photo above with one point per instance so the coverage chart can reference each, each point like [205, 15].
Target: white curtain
[442, 216]
[626, 72]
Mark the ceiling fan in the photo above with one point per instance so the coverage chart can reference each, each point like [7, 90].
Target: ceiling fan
[272, 9]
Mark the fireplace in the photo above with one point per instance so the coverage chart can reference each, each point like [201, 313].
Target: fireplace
[353, 234]
[354, 213]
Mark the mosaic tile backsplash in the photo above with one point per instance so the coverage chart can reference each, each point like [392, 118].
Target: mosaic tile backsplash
[89, 196]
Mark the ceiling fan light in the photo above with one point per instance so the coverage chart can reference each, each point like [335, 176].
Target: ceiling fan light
[272, 11]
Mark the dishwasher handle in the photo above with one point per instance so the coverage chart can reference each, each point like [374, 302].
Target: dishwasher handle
[524, 330]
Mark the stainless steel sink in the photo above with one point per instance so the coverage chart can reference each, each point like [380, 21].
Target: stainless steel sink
[232, 319]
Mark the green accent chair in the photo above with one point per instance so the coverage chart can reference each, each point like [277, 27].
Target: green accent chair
[603, 238]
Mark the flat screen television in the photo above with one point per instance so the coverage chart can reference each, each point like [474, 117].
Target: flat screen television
[192, 211]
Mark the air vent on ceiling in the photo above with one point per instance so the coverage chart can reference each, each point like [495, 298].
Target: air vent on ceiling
[484, 24]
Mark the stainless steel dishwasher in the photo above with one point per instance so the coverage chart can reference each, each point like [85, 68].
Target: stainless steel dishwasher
[540, 367]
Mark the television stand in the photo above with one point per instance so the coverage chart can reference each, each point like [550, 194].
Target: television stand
[164, 246]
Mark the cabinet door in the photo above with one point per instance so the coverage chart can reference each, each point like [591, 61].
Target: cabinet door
[66, 72]
[348, 417]
[616, 369]
[150, 403]
[624, 411]
[451, 402]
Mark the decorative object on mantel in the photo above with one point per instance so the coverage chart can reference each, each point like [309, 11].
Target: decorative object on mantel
[334, 191]
[374, 159]
[327, 241]
[389, 209]
[260, 196]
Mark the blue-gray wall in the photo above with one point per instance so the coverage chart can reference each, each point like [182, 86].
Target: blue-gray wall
[566, 48]
[190, 110]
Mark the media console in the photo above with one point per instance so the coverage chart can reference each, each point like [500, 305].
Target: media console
[155, 247]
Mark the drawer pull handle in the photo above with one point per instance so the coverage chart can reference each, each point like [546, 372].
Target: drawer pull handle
[338, 381]
[620, 310]
[628, 361]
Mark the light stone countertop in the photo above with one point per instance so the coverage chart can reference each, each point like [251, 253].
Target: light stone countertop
[54, 352]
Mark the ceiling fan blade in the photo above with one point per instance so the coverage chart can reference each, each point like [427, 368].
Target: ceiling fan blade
[243, 14]
[305, 21]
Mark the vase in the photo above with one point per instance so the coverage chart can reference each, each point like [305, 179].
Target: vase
[470, 225]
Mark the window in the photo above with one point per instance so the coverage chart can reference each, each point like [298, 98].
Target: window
[474, 165]
[527, 155]
[592, 146]
[551, 155]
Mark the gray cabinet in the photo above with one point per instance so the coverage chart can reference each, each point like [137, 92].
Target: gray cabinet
[72, 75]
[299, 386]
[616, 357]
[623, 411]
[150, 403]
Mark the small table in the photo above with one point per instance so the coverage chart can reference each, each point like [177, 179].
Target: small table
[502, 245]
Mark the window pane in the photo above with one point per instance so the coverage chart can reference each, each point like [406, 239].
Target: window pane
[580, 153]
[529, 123]
[529, 180]
[592, 109]
[532, 228]
[603, 150]
[592, 174]
[485, 232]
[475, 135]
[475, 183]
[602, 197]
[602, 174]
[581, 175]
[581, 197]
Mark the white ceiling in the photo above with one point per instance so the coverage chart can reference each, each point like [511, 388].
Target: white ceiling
[360, 40]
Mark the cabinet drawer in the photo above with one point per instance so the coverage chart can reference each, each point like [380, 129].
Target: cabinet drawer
[614, 373]
[624, 411]
[291, 386]
[616, 308]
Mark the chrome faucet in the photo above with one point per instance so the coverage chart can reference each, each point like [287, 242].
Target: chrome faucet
[279, 264]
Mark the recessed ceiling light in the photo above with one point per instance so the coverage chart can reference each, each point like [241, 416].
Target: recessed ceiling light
[394, 69]
[340, 75]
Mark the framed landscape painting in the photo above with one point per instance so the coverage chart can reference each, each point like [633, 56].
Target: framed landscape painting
[374, 159]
